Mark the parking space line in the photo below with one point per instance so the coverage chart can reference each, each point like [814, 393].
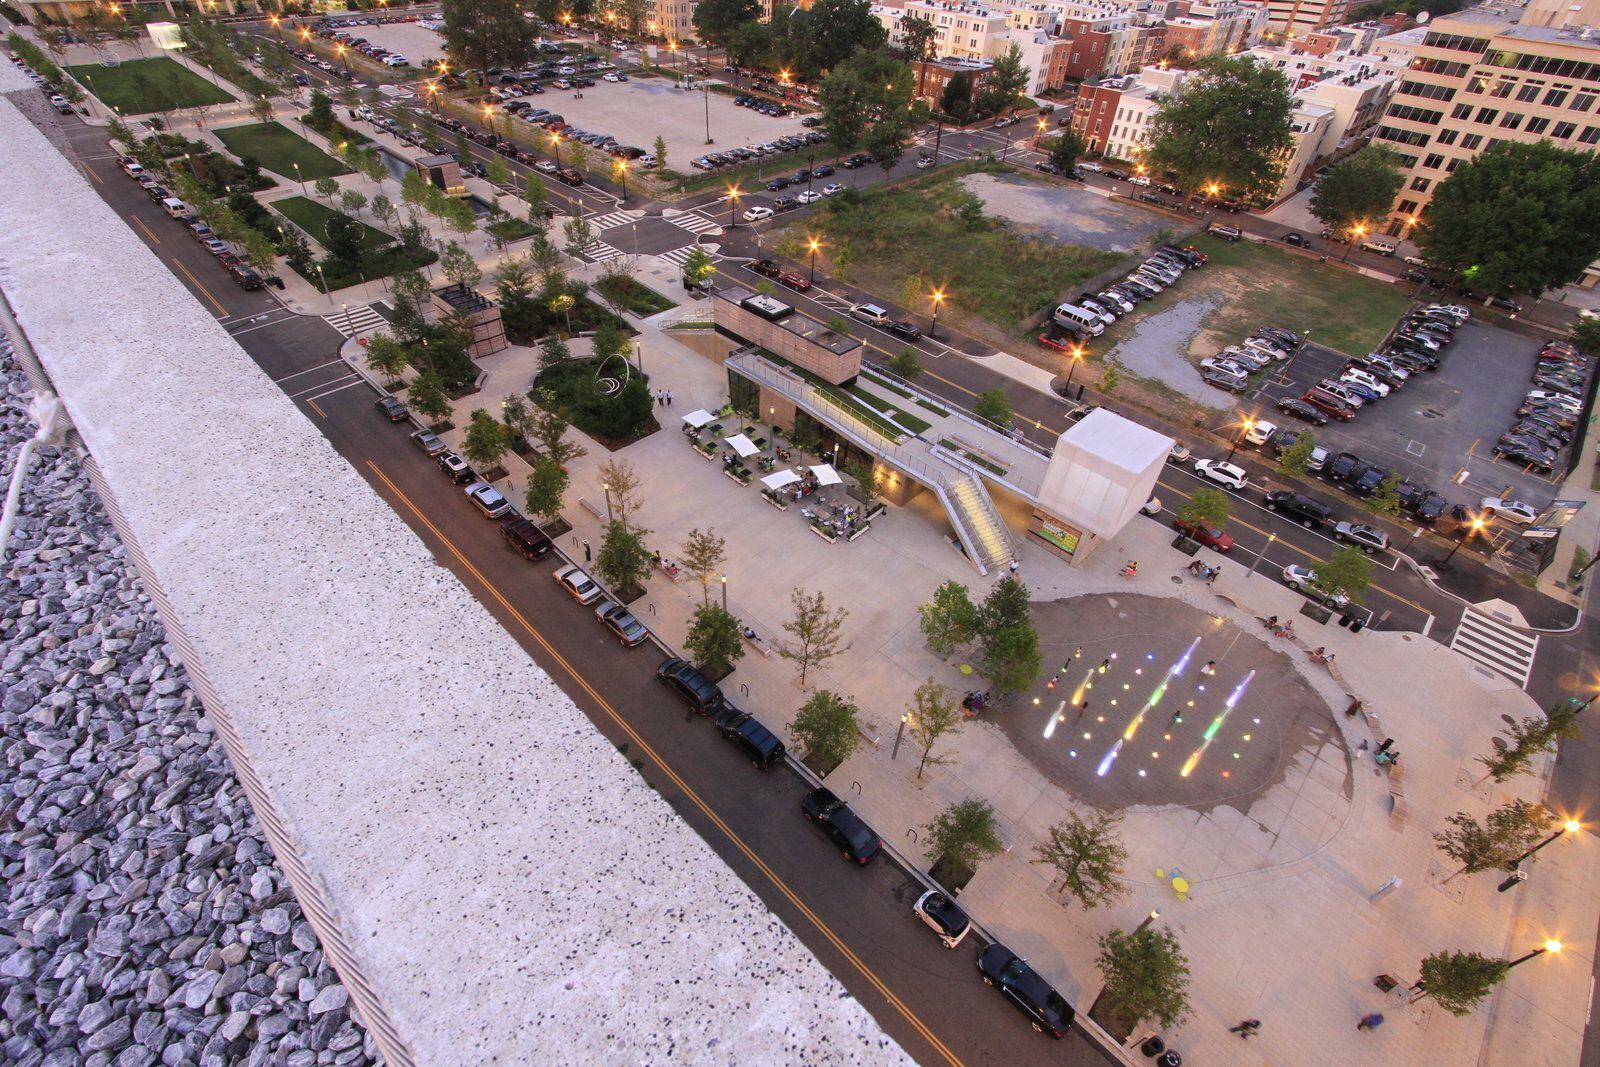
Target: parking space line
[317, 408]
[308, 370]
[688, 792]
[340, 389]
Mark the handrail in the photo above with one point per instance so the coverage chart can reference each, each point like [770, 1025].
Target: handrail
[956, 412]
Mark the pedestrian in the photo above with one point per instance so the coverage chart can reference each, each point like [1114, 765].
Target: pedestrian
[1105, 665]
[1083, 709]
[661, 397]
[1177, 717]
[1370, 1022]
[669, 398]
[1211, 578]
[1246, 1028]
[1050, 685]
[1210, 667]
[1014, 566]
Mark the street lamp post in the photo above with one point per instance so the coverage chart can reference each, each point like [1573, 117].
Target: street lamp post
[1570, 826]
[1552, 945]
[724, 592]
[621, 167]
[555, 146]
[705, 93]
[341, 50]
[733, 204]
[606, 488]
[1356, 233]
[814, 244]
[1244, 428]
[1072, 366]
[298, 177]
[1477, 526]
[277, 24]
[1271, 537]
[1148, 919]
[898, 734]
[937, 296]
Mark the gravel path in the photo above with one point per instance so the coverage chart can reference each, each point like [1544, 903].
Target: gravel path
[1156, 349]
[143, 917]
[1066, 214]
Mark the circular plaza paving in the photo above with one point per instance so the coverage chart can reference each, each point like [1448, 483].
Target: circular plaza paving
[1182, 708]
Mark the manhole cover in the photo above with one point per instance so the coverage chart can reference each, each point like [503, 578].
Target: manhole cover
[1176, 580]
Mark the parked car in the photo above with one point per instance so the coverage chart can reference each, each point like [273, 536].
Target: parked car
[795, 281]
[428, 441]
[1227, 233]
[1299, 240]
[1365, 537]
[456, 467]
[757, 214]
[621, 622]
[757, 742]
[1210, 536]
[526, 537]
[1309, 513]
[942, 916]
[578, 585]
[1304, 580]
[1046, 1009]
[685, 679]
[906, 331]
[1302, 409]
[488, 499]
[853, 837]
[1227, 475]
[393, 409]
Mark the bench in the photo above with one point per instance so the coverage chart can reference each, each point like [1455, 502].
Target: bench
[869, 732]
[590, 507]
[757, 644]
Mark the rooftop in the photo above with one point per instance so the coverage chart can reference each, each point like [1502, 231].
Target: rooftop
[800, 325]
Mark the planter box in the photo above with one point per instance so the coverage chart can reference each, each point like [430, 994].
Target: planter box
[1186, 545]
[774, 501]
[824, 534]
[1315, 612]
[859, 530]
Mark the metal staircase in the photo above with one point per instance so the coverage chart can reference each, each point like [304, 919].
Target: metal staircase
[970, 502]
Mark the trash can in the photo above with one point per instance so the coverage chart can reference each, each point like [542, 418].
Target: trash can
[1153, 1046]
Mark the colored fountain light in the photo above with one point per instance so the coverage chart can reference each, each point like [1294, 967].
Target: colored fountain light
[1216, 725]
[1155, 698]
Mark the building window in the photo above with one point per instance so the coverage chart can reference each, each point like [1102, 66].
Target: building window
[1555, 98]
[1447, 137]
[1415, 114]
[1450, 167]
[1408, 207]
[1528, 93]
[1486, 115]
[1563, 130]
[1427, 90]
[1583, 101]
[1590, 135]
[1537, 126]
[1461, 111]
[1501, 90]
[1471, 142]
[1419, 185]
[1433, 162]
[1511, 121]
[1455, 42]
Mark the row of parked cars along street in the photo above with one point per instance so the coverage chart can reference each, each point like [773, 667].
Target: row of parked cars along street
[998, 966]
[1091, 314]
[175, 208]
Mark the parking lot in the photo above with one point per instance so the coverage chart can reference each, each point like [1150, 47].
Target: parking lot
[635, 112]
[1440, 423]
[419, 45]
[1067, 214]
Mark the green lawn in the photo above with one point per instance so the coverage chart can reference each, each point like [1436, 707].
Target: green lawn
[511, 229]
[278, 149]
[1265, 285]
[633, 295]
[932, 232]
[142, 86]
[312, 217]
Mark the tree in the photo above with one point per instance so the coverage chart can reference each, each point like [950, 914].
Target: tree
[1530, 736]
[826, 726]
[815, 630]
[428, 397]
[352, 201]
[344, 239]
[1385, 499]
[486, 33]
[659, 148]
[319, 111]
[1006, 84]
[1005, 606]
[383, 210]
[1508, 832]
[624, 561]
[497, 174]
[1207, 507]
[1011, 658]
[1110, 377]
[387, 356]
[1065, 149]
[372, 167]
[459, 267]
[1296, 459]
[919, 38]
[259, 251]
[1358, 189]
[715, 20]
[1521, 218]
[959, 838]
[904, 363]
[326, 188]
[931, 714]
[1088, 857]
[535, 193]
[459, 216]
[956, 100]
[1229, 124]
[578, 155]
[486, 440]
[550, 427]
[1459, 981]
[1586, 336]
[831, 32]
[994, 406]
[1347, 571]
[950, 619]
[1145, 976]
[868, 99]
[261, 108]
[519, 420]
[715, 639]
[698, 267]
[621, 481]
[702, 556]
[553, 351]
[579, 235]
[547, 484]
[414, 191]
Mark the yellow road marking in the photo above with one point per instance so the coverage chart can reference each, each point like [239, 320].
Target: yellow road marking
[693, 797]
[314, 407]
[148, 232]
[198, 284]
[93, 176]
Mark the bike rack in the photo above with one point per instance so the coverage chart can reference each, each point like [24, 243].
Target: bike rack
[911, 832]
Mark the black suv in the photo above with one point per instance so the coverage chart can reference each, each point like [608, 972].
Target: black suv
[1425, 505]
[1300, 508]
[1343, 466]
[1022, 985]
[853, 836]
[522, 535]
[755, 740]
[685, 679]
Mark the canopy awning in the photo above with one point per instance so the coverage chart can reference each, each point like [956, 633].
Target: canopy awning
[826, 475]
[781, 479]
[699, 418]
[742, 445]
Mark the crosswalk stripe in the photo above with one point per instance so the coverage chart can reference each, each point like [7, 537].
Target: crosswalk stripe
[614, 218]
[1491, 643]
[696, 224]
[357, 320]
[680, 256]
[599, 251]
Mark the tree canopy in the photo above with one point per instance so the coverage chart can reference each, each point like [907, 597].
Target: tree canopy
[715, 20]
[1228, 124]
[868, 100]
[1521, 218]
[486, 33]
[1358, 189]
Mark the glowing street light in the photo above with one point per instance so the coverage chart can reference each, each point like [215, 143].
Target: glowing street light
[1475, 528]
[937, 296]
[1570, 826]
[277, 24]
[339, 50]
[621, 168]
[433, 94]
[1358, 231]
[488, 117]
[555, 145]
[1551, 945]
[733, 204]
[1248, 424]
[813, 244]
[1073, 359]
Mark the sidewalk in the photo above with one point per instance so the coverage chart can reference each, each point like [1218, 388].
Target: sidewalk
[1284, 932]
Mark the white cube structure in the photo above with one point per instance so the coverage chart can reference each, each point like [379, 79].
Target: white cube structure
[1102, 472]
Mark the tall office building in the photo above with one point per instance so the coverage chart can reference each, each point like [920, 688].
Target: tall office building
[1293, 18]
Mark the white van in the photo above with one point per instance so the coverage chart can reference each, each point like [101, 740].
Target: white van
[1380, 244]
[176, 208]
[871, 314]
[1081, 320]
